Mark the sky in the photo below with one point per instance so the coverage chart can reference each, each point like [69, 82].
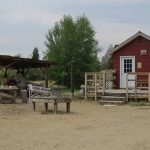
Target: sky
[24, 23]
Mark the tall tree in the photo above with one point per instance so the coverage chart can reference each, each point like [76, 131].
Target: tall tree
[35, 74]
[35, 53]
[73, 46]
[106, 61]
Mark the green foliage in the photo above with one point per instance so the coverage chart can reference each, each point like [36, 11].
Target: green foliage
[35, 74]
[72, 42]
[106, 61]
[140, 104]
[35, 53]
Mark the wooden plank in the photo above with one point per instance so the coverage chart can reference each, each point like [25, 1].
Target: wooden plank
[67, 107]
[55, 107]
[136, 87]
[104, 81]
[91, 80]
[122, 91]
[55, 101]
[142, 81]
[138, 73]
[85, 91]
[149, 87]
[95, 92]
[138, 97]
[33, 103]
[127, 87]
[46, 106]
[42, 101]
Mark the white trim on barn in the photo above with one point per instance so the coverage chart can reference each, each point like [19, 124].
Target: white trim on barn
[123, 74]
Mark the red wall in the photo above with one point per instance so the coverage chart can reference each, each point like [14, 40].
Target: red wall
[133, 49]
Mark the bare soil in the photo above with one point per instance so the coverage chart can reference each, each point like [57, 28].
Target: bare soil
[89, 126]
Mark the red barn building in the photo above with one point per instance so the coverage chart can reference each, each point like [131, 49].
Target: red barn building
[133, 55]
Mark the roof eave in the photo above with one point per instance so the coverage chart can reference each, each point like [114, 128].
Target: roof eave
[128, 41]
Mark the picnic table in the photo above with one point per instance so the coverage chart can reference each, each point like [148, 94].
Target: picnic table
[43, 95]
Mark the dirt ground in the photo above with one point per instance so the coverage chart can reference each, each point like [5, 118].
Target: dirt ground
[89, 126]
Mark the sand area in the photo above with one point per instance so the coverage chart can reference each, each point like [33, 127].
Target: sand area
[89, 126]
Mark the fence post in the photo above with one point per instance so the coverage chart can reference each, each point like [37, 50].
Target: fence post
[127, 94]
[148, 87]
[104, 81]
[85, 90]
[95, 86]
[135, 86]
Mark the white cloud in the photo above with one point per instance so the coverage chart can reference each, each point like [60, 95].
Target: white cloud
[117, 32]
[42, 17]
[99, 1]
[44, 13]
[4, 40]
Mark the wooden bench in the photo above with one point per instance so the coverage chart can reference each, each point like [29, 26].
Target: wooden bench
[54, 100]
[46, 96]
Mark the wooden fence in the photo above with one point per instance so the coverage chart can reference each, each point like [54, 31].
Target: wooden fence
[138, 85]
[98, 82]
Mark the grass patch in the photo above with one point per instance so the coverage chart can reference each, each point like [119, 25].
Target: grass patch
[140, 104]
[77, 95]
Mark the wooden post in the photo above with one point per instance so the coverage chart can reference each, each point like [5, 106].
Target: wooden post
[135, 86]
[29, 94]
[104, 82]
[127, 94]
[96, 86]
[55, 107]
[46, 106]
[85, 90]
[68, 107]
[33, 106]
[148, 87]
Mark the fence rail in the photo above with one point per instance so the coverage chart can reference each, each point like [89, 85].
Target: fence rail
[98, 82]
[140, 87]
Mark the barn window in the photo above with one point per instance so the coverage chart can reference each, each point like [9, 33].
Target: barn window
[143, 52]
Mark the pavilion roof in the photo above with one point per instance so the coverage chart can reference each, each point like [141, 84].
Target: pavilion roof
[12, 62]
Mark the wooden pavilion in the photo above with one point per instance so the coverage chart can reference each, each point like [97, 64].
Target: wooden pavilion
[22, 65]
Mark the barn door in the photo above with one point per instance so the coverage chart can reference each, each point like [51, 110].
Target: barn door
[127, 64]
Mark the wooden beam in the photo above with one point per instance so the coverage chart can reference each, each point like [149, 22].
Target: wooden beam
[95, 86]
[127, 94]
[85, 92]
[11, 64]
[135, 86]
[138, 73]
[148, 87]
[104, 82]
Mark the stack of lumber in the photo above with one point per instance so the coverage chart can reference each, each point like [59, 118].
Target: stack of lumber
[6, 98]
